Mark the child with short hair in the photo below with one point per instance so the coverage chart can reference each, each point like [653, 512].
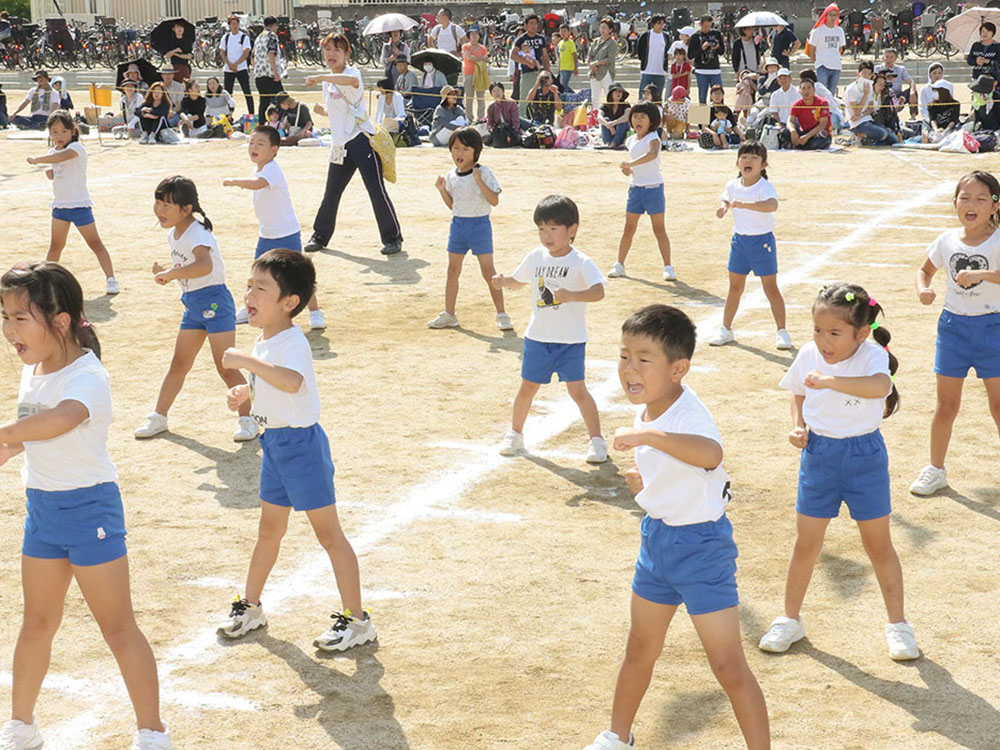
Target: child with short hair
[721, 128]
[563, 280]
[687, 555]
[470, 191]
[645, 191]
[272, 203]
[296, 468]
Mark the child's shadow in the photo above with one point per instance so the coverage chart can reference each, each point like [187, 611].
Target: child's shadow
[237, 471]
[785, 360]
[601, 484]
[507, 341]
[99, 309]
[398, 269]
[693, 293]
[987, 508]
[320, 345]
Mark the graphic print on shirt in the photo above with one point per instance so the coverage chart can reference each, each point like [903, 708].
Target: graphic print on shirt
[30, 410]
[962, 262]
[547, 287]
[260, 419]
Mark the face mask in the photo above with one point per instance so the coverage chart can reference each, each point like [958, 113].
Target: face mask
[429, 67]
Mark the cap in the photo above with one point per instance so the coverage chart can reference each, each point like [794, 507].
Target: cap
[771, 61]
[983, 85]
[784, 72]
[689, 30]
[39, 74]
[679, 92]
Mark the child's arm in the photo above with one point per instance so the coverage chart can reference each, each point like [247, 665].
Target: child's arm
[865, 386]
[282, 378]
[691, 449]
[442, 187]
[766, 207]
[500, 281]
[491, 197]
[654, 151]
[799, 435]
[336, 80]
[594, 294]
[44, 425]
[967, 277]
[202, 266]
[257, 183]
[65, 155]
[924, 275]
[319, 109]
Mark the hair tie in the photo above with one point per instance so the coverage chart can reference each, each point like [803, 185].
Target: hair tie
[996, 198]
[875, 325]
[84, 323]
[872, 302]
[849, 296]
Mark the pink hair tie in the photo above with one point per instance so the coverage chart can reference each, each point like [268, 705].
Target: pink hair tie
[84, 323]
[872, 302]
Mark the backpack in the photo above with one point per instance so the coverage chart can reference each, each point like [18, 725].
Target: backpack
[987, 140]
[243, 38]
[706, 141]
[540, 137]
[504, 136]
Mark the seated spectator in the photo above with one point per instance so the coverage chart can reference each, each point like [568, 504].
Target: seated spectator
[935, 73]
[985, 103]
[781, 100]
[218, 101]
[448, 117]
[900, 79]
[296, 121]
[131, 102]
[859, 100]
[391, 110]
[613, 117]
[502, 119]
[175, 92]
[65, 100]
[809, 119]
[543, 100]
[192, 119]
[4, 120]
[721, 129]
[837, 118]
[431, 78]
[272, 118]
[43, 101]
[945, 113]
[406, 79]
[768, 83]
[133, 74]
[887, 109]
[717, 104]
[675, 116]
[154, 114]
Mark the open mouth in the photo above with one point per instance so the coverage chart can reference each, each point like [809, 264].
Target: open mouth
[634, 389]
[251, 311]
[971, 216]
[19, 348]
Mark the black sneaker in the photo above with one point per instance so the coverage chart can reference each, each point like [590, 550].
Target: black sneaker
[314, 246]
[391, 248]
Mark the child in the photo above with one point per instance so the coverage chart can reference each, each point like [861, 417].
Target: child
[645, 191]
[75, 527]
[967, 329]
[71, 203]
[562, 281]
[680, 70]
[193, 123]
[687, 554]
[209, 311]
[279, 227]
[470, 191]
[721, 128]
[273, 118]
[675, 116]
[841, 384]
[296, 470]
[753, 200]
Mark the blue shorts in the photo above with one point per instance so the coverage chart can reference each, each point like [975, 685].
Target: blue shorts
[753, 252]
[80, 217]
[296, 469]
[853, 470]
[291, 242]
[473, 233]
[209, 309]
[694, 565]
[646, 200]
[540, 359]
[965, 341]
[85, 525]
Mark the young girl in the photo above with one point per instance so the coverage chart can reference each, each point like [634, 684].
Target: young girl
[675, 116]
[154, 113]
[209, 310]
[273, 116]
[841, 384]
[966, 333]
[645, 191]
[71, 202]
[75, 525]
[754, 201]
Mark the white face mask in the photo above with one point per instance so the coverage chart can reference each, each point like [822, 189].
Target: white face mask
[429, 67]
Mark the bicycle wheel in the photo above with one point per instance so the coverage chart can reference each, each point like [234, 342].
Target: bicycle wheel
[946, 48]
[622, 48]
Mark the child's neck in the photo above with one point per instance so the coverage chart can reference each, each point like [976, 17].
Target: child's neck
[263, 163]
[273, 329]
[60, 356]
[656, 408]
[182, 226]
[977, 234]
[561, 251]
[751, 180]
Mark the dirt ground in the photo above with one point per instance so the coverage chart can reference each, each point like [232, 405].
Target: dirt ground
[500, 587]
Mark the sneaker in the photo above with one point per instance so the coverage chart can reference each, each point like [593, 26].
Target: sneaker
[148, 739]
[513, 443]
[144, 138]
[243, 617]
[241, 316]
[783, 633]
[246, 429]
[391, 248]
[153, 426]
[930, 480]
[314, 246]
[902, 641]
[346, 632]
[608, 740]
[317, 320]
[617, 271]
[782, 340]
[111, 287]
[444, 319]
[723, 337]
[503, 322]
[598, 451]
[668, 273]
[16, 735]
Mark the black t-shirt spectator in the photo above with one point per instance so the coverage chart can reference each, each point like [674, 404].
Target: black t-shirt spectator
[706, 59]
[194, 108]
[945, 114]
[298, 117]
[989, 120]
[782, 43]
[991, 52]
[538, 45]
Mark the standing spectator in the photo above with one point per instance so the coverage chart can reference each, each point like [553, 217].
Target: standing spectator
[748, 51]
[180, 56]
[826, 43]
[235, 48]
[704, 49]
[531, 56]
[859, 101]
[406, 79]
[43, 100]
[476, 69]
[446, 35]
[393, 50]
[652, 50]
[268, 63]
[809, 120]
[567, 53]
[603, 54]
[983, 55]
[680, 70]
[682, 43]
[784, 45]
[781, 101]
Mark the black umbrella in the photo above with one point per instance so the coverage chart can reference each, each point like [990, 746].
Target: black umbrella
[443, 61]
[147, 71]
[163, 39]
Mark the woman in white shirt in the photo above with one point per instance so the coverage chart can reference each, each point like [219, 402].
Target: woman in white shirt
[391, 110]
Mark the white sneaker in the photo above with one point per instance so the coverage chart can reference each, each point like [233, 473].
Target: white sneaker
[782, 340]
[16, 735]
[503, 322]
[443, 320]
[902, 641]
[513, 443]
[346, 632]
[930, 480]
[148, 739]
[598, 451]
[317, 320]
[243, 617]
[246, 429]
[241, 316]
[783, 633]
[608, 740]
[617, 271]
[112, 286]
[153, 426]
[668, 273]
[723, 337]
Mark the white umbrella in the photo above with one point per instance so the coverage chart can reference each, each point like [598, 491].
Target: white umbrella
[761, 18]
[390, 22]
[963, 29]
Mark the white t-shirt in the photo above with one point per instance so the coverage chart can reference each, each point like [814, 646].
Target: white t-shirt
[552, 322]
[69, 179]
[447, 39]
[746, 221]
[78, 458]
[781, 102]
[344, 105]
[271, 407]
[233, 45]
[828, 42]
[655, 54]
[861, 96]
[182, 254]
[675, 492]
[467, 199]
[831, 413]
[648, 174]
[273, 204]
[953, 255]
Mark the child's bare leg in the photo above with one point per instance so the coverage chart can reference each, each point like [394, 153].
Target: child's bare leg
[774, 298]
[270, 532]
[219, 342]
[60, 231]
[720, 635]
[588, 407]
[185, 350]
[522, 404]
[949, 399]
[737, 283]
[93, 240]
[662, 240]
[451, 284]
[326, 524]
[877, 541]
[488, 270]
[809, 533]
[993, 393]
[313, 303]
[625, 243]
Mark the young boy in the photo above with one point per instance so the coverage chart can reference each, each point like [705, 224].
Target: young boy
[279, 227]
[296, 469]
[687, 553]
[563, 280]
[470, 191]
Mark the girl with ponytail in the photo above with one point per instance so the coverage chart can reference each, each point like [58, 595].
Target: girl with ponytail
[209, 311]
[842, 387]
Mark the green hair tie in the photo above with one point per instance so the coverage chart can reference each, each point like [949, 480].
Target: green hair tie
[875, 326]
[849, 296]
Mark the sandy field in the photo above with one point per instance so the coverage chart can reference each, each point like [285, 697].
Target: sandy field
[500, 587]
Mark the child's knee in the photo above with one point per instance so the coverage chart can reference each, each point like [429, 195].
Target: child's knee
[807, 547]
[641, 648]
[947, 408]
[731, 672]
[40, 626]
[578, 391]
